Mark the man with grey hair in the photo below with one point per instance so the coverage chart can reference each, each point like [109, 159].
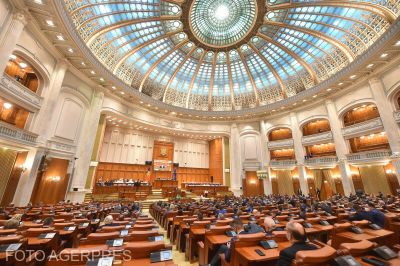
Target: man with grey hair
[296, 234]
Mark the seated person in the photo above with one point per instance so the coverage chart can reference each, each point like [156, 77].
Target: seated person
[296, 234]
[48, 222]
[270, 226]
[108, 221]
[373, 215]
[226, 249]
[11, 224]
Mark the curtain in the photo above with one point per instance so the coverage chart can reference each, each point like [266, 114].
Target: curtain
[329, 179]
[285, 182]
[374, 180]
[318, 178]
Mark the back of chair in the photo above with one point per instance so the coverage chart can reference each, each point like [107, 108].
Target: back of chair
[357, 249]
[35, 232]
[320, 256]
[141, 235]
[139, 250]
[100, 238]
[112, 228]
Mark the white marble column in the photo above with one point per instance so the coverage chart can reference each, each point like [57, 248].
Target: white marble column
[28, 178]
[236, 163]
[86, 146]
[11, 34]
[386, 114]
[299, 152]
[265, 158]
[44, 118]
[340, 146]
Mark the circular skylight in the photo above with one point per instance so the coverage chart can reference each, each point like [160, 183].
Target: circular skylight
[227, 55]
[220, 23]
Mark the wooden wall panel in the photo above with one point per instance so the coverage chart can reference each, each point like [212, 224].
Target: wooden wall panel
[361, 114]
[252, 186]
[48, 190]
[113, 171]
[283, 154]
[159, 146]
[216, 160]
[7, 160]
[279, 134]
[316, 126]
[14, 179]
[186, 174]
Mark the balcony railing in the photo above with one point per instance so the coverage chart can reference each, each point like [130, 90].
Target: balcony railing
[13, 133]
[321, 161]
[282, 163]
[19, 93]
[280, 144]
[363, 128]
[317, 138]
[369, 156]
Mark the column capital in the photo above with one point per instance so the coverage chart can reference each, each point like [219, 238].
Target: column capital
[328, 102]
[63, 62]
[375, 80]
[20, 16]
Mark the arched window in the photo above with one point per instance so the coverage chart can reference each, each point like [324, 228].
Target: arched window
[20, 70]
[279, 134]
[360, 114]
[316, 127]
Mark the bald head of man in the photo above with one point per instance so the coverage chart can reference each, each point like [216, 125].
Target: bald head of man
[295, 232]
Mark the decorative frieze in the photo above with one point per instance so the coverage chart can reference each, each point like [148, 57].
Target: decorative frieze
[317, 138]
[280, 144]
[363, 128]
[18, 135]
[19, 93]
[369, 156]
[326, 161]
[282, 164]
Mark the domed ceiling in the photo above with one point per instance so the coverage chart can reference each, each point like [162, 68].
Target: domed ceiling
[223, 55]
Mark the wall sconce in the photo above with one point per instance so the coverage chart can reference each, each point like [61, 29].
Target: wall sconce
[389, 171]
[23, 168]
[252, 181]
[55, 178]
[272, 176]
[295, 176]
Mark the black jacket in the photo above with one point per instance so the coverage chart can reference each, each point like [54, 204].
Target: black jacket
[287, 255]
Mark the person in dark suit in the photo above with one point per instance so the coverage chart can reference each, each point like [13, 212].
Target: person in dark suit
[297, 236]
[250, 228]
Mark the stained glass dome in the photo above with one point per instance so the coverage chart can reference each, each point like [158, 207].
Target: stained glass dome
[222, 55]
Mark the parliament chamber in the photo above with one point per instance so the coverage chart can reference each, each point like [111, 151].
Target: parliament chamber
[200, 132]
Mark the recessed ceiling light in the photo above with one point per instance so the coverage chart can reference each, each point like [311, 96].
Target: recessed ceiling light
[370, 65]
[92, 72]
[122, 92]
[315, 96]
[353, 76]
[397, 43]
[60, 37]
[7, 105]
[83, 64]
[70, 50]
[38, 2]
[340, 84]
[113, 87]
[304, 100]
[50, 23]
[384, 55]
[101, 79]
[329, 89]
[23, 64]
